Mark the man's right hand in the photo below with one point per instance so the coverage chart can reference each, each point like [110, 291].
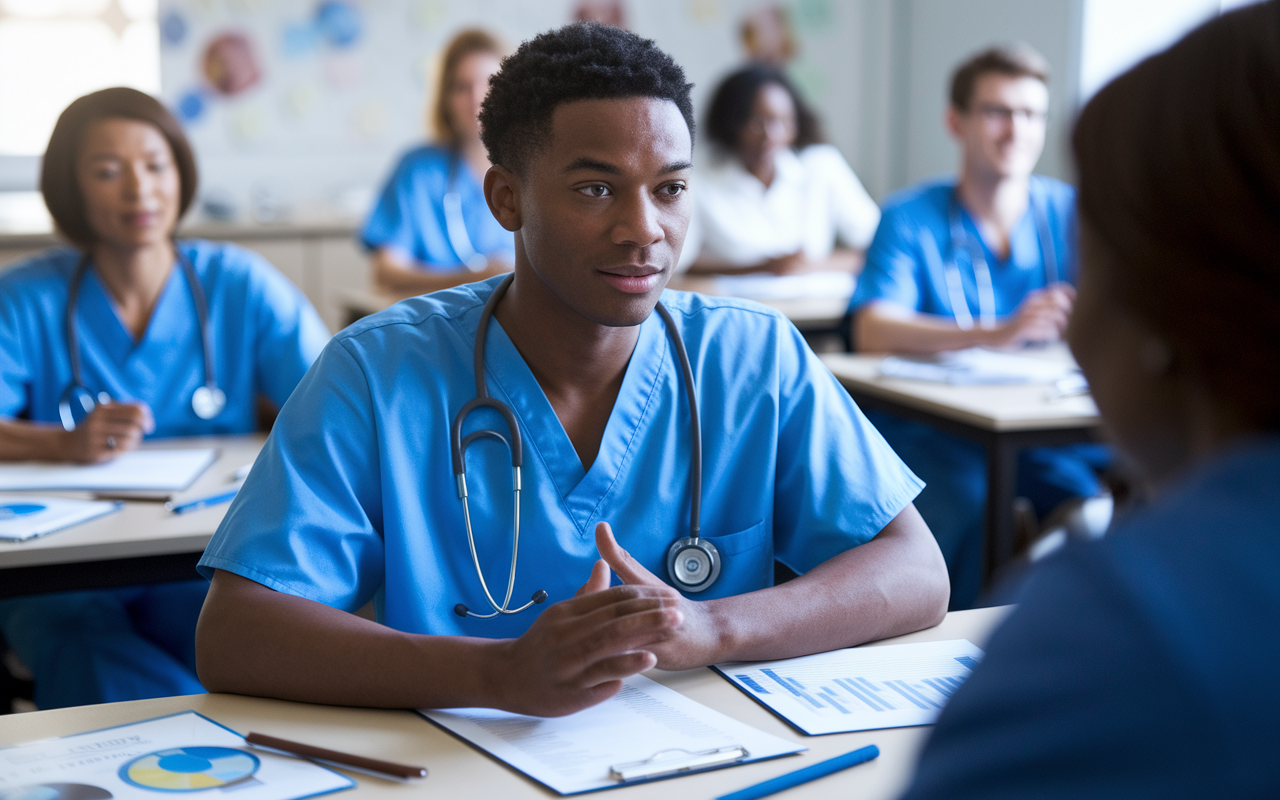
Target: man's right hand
[578, 651]
[1041, 317]
[109, 430]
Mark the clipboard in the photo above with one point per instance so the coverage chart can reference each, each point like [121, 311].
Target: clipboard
[646, 732]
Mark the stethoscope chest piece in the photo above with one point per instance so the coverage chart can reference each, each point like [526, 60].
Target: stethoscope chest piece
[208, 402]
[693, 564]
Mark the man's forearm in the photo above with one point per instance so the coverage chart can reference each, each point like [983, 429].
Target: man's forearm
[877, 332]
[255, 641]
[894, 584]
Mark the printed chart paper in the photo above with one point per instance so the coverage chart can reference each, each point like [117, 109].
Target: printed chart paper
[182, 754]
[575, 753]
[860, 688]
[137, 470]
[25, 517]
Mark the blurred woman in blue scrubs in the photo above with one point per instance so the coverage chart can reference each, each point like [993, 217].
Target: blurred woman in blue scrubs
[174, 338]
[431, 228]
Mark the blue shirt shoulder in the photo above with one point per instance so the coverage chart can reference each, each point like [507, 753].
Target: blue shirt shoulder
[1138, 666]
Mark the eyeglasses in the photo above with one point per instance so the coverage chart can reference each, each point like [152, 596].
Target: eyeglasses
[997, 114]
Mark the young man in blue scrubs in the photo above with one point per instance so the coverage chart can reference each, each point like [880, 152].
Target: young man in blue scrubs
[117, 176]
[985, 260]
[354, 498]
[1143, 664]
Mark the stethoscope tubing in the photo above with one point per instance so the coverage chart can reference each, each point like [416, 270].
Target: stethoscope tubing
[981, 270]
[70, 328]
[455, 226]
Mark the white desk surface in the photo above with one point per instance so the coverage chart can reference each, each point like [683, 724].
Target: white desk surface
[142, 528]
[810, 312]
[994, 408]
[458, 770]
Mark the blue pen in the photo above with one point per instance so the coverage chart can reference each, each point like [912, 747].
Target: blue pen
[810, 773]
[205, 502]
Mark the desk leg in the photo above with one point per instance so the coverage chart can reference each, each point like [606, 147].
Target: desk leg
[1002, 485]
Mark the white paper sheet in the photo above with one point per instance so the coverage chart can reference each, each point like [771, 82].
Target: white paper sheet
[786, 287]
[137, 470]
[977, 366]
[574, 754]
[25, 517]
[860, 688]
[155, 759]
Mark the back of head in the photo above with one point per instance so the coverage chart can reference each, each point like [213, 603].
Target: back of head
[59, 182]
[1014, 61]
[1179, 172]
[582, 61]
[731, 107]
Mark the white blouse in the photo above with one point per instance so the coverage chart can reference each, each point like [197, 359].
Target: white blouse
[814, 200]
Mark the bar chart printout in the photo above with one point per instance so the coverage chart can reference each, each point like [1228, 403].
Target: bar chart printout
[859, 688]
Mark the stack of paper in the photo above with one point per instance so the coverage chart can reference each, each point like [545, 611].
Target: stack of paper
[860, 688]
[25, 517]
[139, 470]
[977, 366]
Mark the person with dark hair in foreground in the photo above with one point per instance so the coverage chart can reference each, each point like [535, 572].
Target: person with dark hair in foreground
[357, 495]
[117, 176]
[774, 197]
[987, 259]
[1143, 665]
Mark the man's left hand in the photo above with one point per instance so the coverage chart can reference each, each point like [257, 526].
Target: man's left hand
[697, 640]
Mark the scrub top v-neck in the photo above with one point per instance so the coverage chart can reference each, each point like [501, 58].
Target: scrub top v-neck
[354, 498]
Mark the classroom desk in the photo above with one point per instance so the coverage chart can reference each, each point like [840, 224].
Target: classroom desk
[1003, 419]
[458, 770]
[808, 314]
[141, 543]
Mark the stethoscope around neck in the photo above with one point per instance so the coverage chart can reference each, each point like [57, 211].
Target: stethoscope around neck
[693, 563]
[207, 401]
[981, 271]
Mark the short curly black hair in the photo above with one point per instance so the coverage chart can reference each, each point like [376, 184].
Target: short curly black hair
[582, 61]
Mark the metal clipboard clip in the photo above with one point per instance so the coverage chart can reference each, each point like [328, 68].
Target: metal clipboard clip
[674, 761]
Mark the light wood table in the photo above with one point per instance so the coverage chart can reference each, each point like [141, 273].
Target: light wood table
[141, 543]
[1003, 419]
[808, 314]
[459, 770]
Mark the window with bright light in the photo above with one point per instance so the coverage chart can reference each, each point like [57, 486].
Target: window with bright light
[53, 51]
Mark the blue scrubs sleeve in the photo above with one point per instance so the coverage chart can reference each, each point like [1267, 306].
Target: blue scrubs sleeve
[15, 377]
[289, 333]
[838, 481]
[390, 223]
[308, 521]
[893, 266]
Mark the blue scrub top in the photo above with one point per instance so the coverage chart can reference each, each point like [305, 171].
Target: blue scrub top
[410, 216]
[905, 262]
[265, 336]
[1142, 665]
[364, 504]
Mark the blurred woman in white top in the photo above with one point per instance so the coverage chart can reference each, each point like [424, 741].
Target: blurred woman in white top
[774, 197]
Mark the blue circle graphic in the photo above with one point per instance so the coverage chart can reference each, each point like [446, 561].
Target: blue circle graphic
[184, 762]
[11, 510]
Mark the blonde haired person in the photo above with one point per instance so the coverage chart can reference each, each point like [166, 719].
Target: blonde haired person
[431, 227]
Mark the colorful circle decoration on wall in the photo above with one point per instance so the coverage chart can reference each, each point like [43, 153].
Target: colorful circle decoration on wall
[189, 769]
[230, 64]
[338, 23]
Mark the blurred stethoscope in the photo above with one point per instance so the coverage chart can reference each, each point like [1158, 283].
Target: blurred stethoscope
[207, 401]
[455, 227]
[693, 563]
[960, 237]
